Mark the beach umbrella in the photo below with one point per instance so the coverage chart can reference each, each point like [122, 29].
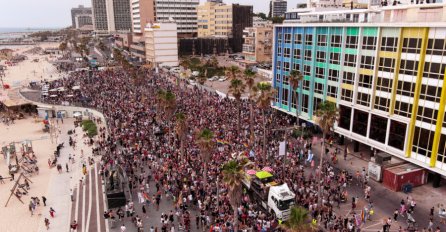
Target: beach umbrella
[251, 172]
[267, 169]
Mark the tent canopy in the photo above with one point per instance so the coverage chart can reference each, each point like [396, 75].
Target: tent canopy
[263, 174]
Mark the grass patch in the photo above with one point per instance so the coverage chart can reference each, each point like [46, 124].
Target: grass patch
[90, 127]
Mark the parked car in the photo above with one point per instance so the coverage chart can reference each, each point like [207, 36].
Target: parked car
[222, 78]
[214, 78]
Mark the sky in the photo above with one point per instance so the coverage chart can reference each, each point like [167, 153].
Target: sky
[56, 13]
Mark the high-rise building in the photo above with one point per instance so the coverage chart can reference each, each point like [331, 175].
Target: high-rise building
[80, 10]
[221, 20]
[161, 41]
[258, 44]
[385, 70]
[82, 20]
[279, 7]
[142, 13]
[110, 16]
[183, 12]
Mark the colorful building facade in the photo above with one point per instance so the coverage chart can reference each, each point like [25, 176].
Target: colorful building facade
[387, 80]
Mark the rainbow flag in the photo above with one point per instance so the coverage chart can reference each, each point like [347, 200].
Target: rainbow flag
[223, 142]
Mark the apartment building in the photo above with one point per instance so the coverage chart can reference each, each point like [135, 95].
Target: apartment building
[221, 20]
[80, 10]
[257, 47]
[383, 67]
[111, 16]
[183, 12]
[161, 44]
[279, 7]
[143, 12]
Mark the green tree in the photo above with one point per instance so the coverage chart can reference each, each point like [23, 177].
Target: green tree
[237, 88]
[205, 141]
[295, 79]
[270, 13]
[181, 130]
[326, 116]
[277, 20]
[63, 46]
[298, 221]
[265, 94]
[233, 72]
[233, 174]
[262, 15]
[250, 77]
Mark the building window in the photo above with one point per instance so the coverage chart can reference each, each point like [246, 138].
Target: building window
[306, 84]
[403, 108]
[285, 93]
[369, 43]
[397, 134]
[409, 67]
[428, 115]
[335, 58]
[412, 45]
[287, 52]
[320, 56]
[320, 73]
[279, 51]
[363, 99]
[293, 99]
[297, 54]
[389, 44]
[332, 91]
[321, 40]
[360, 120]
[277, 78]
[352, 42]
[308, 55]
[319, 88]
[434, 70]
[278, 64]
[298, 38]
[305, 103]
[378, 128]
[333, 75]
[279, 37]
[348, 78]
[367, 62]
[296, 67]
[442, 149]
[307, 70]
[365, 81]
[386, 64]
[287, 38]
[277, 96]
[350, 60]
[422, 141]
[309, 39]
[344, 117]
[316, 103]
[286, 66]
[346, 95]
[336, 41]
[435, 47]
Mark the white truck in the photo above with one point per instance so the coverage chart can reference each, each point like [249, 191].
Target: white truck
[275, 198]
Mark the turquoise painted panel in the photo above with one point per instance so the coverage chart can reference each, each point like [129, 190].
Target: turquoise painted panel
[321, 65]
[336, 30]
[319, 80]
[370, 31]
[334, 66]
[322, 30]
[351, 51]
[349, 69]
[336, 50]
[352, 31]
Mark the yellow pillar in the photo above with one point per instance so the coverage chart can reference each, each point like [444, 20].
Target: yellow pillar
[439, 124]
[416, 97]
[397, 70]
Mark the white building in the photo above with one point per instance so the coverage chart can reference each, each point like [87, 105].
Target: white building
[184, 13]
[161, 42]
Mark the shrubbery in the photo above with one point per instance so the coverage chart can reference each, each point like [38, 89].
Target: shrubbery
[90, 127]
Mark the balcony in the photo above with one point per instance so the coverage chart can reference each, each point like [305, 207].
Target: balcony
[249, 48]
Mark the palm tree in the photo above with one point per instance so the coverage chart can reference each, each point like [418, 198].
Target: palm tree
[170, 103]
[250, 83]
[206, 143]
[298, 221]
[237, 88]
[63, 46]
[232, 72]
[181, 130]
[233, 174]
[326, 116]
[295, 78]
[265, 95]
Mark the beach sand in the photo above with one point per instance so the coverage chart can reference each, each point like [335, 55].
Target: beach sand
[16, 216]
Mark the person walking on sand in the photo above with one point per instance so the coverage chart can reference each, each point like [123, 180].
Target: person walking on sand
[47, 223]
[44, 200]
[52, 211]
[66, 166]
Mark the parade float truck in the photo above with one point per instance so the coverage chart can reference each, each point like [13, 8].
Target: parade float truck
[274, 198]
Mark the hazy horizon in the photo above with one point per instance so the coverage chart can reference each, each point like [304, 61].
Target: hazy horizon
[57, 13]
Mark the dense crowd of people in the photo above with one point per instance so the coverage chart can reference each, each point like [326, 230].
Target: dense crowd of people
[142, 141]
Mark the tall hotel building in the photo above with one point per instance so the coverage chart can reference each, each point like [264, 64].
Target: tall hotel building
[183, 12]
[111, 16]
[384, 67]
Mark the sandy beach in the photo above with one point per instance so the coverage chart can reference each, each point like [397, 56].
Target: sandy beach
[27, 129]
